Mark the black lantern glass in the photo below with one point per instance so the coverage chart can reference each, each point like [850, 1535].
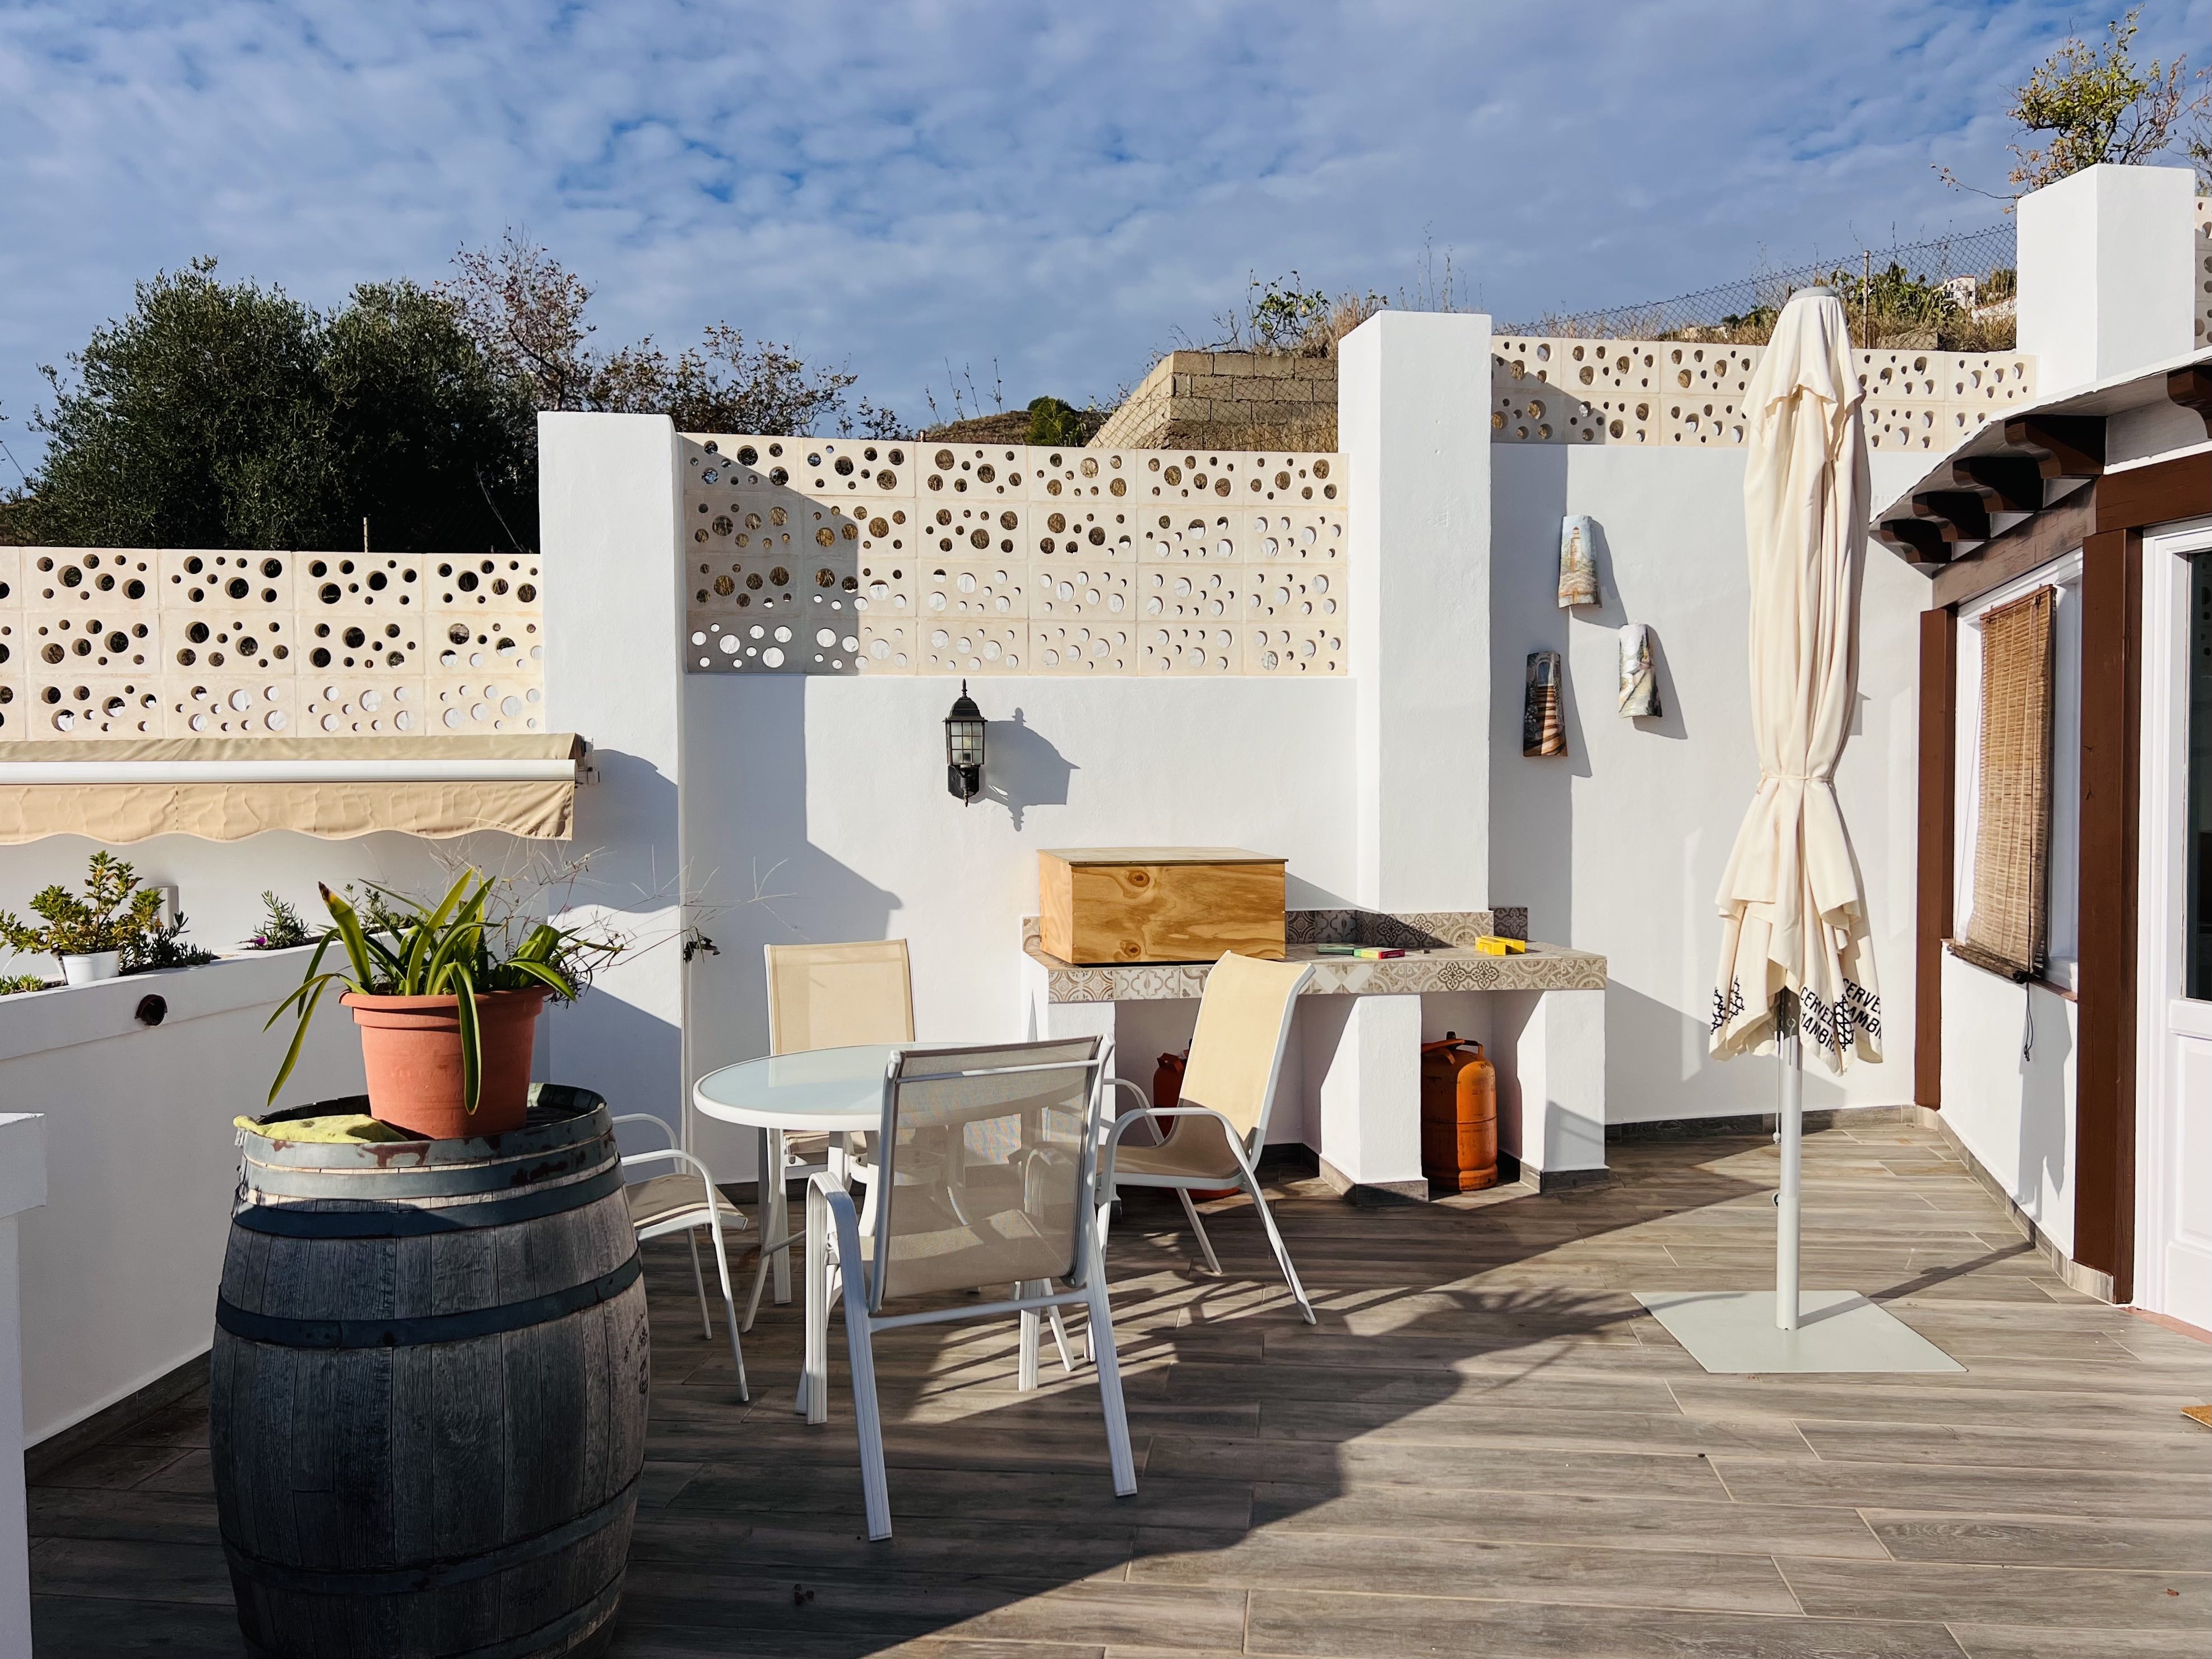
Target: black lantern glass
[964, 747]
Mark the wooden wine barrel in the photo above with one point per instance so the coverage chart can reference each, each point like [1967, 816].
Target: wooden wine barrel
[427, 1394]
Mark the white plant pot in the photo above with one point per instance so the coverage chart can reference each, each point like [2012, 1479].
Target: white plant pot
[83, 970]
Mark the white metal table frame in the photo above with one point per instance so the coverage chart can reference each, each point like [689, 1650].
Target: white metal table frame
[813, 1091]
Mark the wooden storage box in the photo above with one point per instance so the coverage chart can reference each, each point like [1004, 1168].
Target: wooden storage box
[1120, 904]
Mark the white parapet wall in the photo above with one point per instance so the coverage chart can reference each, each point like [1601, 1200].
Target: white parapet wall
[121, 1265]
[799, 801]
[2111, 272]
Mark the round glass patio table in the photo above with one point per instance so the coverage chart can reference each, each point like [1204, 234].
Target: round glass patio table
[837, 1090]
[817, 1090]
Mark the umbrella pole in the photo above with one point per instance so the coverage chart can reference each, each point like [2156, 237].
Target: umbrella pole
[1790, 1131]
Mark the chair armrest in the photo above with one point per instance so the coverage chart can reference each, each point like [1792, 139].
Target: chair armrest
[660, 1124]
[830, 1208]
[1137, 1088]
[1121, 1127]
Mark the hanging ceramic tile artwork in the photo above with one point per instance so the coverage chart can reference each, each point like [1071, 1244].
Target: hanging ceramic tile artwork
[1577, 562]
[1543, 729]
[1640, 681]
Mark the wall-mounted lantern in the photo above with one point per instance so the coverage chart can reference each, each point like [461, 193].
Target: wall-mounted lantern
[963, 748]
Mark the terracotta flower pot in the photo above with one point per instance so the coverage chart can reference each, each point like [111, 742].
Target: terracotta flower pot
[411, 1048]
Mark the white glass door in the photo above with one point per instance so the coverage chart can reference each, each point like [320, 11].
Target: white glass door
[2173, 1144]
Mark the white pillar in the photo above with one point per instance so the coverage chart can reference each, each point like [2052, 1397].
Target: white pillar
[1558, 1080]
[609, 494]
[2107, 273]
[22, 1187]
[1370, 1101]
[1414, 420]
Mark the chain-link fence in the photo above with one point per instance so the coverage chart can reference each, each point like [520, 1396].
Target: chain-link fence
[1954, 292]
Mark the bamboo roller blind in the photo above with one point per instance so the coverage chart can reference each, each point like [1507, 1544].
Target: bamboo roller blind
[2007, 932]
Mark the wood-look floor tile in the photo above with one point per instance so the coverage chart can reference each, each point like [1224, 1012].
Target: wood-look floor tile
[2041, 1642]
[2076, 1596]
[1975, 1489]
[2169, 1453]
[1551, 1517]
[2043, 1541]
[1266, 1561]
[1449, 1422]
[1323, 1626]
[133, 1570]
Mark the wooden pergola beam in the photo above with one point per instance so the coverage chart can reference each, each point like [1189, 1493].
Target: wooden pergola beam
[2063, 446]
[2014, 484]
[1962, 515]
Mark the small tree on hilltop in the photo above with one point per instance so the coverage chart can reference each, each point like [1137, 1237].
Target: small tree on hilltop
[526, 312]
[2098, 106]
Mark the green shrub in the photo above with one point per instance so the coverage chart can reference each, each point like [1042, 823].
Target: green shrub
[113, 912]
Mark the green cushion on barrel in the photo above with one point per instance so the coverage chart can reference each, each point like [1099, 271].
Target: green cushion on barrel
[351, 1127]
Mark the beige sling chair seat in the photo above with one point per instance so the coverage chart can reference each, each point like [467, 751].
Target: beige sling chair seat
[822, 996]
[984, 1179]
[1219, 1125]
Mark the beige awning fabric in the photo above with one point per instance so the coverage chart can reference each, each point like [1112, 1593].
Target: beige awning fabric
[228, 788]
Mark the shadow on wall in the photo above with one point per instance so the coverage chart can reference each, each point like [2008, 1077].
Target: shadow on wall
[1532, 834]
[2043, 1099]
[1022, 769]
[756, 878]
[1611, 613]
[1640, 1088]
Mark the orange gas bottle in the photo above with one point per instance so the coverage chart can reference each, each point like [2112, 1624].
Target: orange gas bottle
[1458, 1115]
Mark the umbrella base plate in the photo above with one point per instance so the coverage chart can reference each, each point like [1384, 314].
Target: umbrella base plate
[1839, 1332]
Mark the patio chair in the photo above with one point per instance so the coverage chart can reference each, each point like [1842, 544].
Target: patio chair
[677, 1202]
[984, 1179]
[821, 996]
[1215, 1134]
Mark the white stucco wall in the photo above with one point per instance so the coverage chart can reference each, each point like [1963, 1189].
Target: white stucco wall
[1619, 846]
[121, 1265]
[2108, 274]
[2008, 1088]
[815, 809]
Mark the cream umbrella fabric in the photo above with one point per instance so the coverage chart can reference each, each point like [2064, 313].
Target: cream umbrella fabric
[1796, 914]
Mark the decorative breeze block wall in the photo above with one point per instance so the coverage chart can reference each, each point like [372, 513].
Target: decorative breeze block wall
[121, 642]
[2203, 269]
[1685, 394]
[808, 556]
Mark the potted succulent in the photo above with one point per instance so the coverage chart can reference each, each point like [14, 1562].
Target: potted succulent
[90, 932]
[446, 999]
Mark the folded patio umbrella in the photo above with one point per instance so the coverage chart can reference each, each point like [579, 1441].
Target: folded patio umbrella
[1796, 961]
[1795, 916]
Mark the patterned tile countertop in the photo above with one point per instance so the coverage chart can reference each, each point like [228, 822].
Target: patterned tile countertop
[1439, 959]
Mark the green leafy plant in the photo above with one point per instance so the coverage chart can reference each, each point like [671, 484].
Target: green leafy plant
[162, 946]
[462, 948]
[282, 928]
[110, 912]
[13, 984]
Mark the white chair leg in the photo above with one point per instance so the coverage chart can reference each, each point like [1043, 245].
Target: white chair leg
[1060, 1340]
[782, 1202]
[699, 1283]
[767, 1236]
[1118, 1455]
[1026, 1373]
[729, 1308]
[814, 1370]
[1205, 1244]
[1282, 1251]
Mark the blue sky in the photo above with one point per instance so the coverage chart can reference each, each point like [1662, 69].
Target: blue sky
[1058, 188]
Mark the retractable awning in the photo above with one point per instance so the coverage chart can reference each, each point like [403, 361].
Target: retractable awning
[228, 788]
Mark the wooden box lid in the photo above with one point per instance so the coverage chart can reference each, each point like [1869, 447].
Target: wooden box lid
[1089, 855]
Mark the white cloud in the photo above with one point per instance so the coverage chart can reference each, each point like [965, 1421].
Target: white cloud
[1058, 188]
